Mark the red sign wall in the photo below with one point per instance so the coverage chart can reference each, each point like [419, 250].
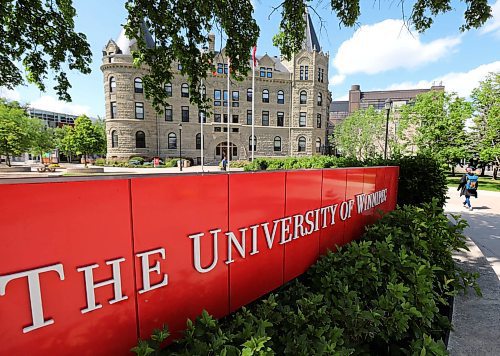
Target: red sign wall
[87, 267]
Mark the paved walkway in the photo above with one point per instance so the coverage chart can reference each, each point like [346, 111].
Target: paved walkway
[477, 319]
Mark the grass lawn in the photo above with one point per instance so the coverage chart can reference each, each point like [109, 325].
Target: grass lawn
[485, 183]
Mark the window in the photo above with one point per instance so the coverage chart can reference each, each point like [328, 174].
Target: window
[114, 139]
[277, 144]
[203, 89]
[302, 144]
[302, 119]
[301, 77]
[224, 118]
[217, 129]
[201, 114]
[262, 73]
[249, 94]
[113, 109]
[184, 90]
[281, 97]
[112, 84]
[249, 117]
[235, 129]
[138, 85]
[265, 96]
[168, 89]
[306, 72]
[269, 72]
[235, 119]
[198, 141]
[220, 68]
[318, 121]
[225, 68]
[185, 113]
[172, 141]
[235, 99]
[217, 97]
[265, 118]
[224, 98]
[254, 143]
[280, 119]
[216, 117]
[179, 66]
[139, 111]
[303, 97]
[140, 139]
[320, 99]
[318, 145]
[168, 114]
[321, 73]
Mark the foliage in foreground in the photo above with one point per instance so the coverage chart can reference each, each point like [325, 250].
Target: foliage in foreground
[421, 178]
[385, 295]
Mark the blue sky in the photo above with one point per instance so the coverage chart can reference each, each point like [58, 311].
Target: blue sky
[379, 53]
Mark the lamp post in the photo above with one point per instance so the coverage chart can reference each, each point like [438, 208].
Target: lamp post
[180, 147]
[388, 104]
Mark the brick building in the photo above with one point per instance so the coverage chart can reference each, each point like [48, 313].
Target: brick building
[291, 107]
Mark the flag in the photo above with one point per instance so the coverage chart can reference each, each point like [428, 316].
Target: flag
[254, 57]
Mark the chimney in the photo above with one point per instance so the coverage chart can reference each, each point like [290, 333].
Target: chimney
[211, 42]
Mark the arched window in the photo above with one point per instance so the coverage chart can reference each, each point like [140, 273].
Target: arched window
[112, 84]
[140, 139]
[249, 94]
[172, 141]
[184, 90]
[114, 139]
[320, 99]
[138, 85]
[254, 143]
[302, 144]
[277, 144]
[318, 121]
[318, 145]
[168, 89]
[198, 141]
[303, 97]
[281, 97]
[265, 96]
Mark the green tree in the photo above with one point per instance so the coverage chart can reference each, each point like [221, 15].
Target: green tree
[179, 37]
[40, 35]
[362, 135]
[87, 137]
[63, 137]
[42, 137]
[14, 130]
[439, 120]
[486, 101]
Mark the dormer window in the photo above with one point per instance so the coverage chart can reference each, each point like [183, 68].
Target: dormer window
[265, 72]
[269, 72]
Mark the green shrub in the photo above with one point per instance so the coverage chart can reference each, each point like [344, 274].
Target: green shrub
[137, 158]
[383, 295]
[100, 162]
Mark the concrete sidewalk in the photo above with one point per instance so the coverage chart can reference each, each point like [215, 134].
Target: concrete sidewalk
[477, 319]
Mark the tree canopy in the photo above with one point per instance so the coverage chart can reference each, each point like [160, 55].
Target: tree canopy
[14, 130]
[87, 137]
[181, 28]
[40, 35]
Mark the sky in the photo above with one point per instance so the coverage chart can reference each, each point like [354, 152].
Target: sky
[378, 53]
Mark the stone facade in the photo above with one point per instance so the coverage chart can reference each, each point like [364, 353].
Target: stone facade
[274, 138]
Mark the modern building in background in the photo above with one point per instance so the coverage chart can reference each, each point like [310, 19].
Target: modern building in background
[358, 99]
[291, 107]
[52, 119]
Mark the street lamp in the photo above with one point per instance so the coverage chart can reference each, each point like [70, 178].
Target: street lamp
[180, 147]
[388, 104]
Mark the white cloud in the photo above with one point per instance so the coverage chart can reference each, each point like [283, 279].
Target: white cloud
[493, 24]
[50, 103]
[9, 94]
[388, 45]
[336, 79]
[459, 82]
[342, 98]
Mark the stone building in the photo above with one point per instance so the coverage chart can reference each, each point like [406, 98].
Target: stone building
[291, 107]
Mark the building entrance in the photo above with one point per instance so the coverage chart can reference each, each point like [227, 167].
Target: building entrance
[222, 148]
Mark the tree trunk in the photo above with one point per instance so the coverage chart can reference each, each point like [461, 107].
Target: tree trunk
[452, 170]
[495, 172]
[85, 159]
[482, 170]
[8, 159]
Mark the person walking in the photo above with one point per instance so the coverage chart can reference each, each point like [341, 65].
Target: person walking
[468, 186]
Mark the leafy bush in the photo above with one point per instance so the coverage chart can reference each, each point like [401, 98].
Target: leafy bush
[137, 158]
[239, 164]
[383, 295]
[100, 162]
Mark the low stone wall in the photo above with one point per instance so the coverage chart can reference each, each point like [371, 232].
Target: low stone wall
[15, 169]
[85, 170]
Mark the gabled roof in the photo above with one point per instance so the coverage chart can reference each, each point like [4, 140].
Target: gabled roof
[125, 43]
[311, 42]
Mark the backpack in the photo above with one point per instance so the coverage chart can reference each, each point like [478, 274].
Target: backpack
[471, 183]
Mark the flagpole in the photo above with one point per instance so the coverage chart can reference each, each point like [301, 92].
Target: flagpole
[253, 103]
[202, 116]
[228, 111]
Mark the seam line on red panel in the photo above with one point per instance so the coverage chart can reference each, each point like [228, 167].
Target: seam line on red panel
[132, 235]
[228, 266]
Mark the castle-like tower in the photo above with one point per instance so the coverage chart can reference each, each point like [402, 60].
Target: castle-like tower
[291, 107]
